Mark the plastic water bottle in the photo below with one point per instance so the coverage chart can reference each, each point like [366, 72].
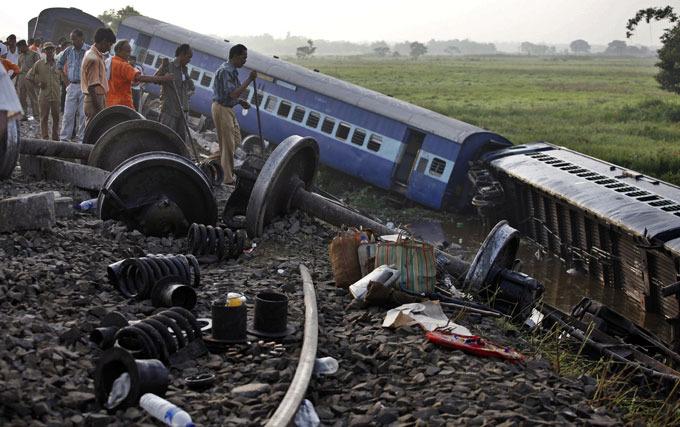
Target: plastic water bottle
[87, 205]
[325, 366]
[165, 411]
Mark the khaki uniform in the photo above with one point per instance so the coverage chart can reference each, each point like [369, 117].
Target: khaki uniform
[26, 88]
[50, 95]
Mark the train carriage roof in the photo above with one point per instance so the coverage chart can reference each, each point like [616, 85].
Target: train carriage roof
[369, 100]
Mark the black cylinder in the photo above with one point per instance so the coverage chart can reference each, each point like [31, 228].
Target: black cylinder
[104, 337]
[271, 315]
[228, 323]
[171, 292]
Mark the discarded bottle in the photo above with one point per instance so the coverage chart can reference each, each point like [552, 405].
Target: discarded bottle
[87, 205]
[165, 411]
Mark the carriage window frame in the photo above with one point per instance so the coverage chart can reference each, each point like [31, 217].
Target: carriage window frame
[206, 77]
[374, 143]
[284, 109]
[437, 166]
[195, 74]
[271, 103]
[356, 139]
[342, 132]
[313, 120]
[151, 55]
[328, 121]
[159, 61]
[298, 113]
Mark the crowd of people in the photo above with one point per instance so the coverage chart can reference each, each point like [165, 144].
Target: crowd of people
[80, 80]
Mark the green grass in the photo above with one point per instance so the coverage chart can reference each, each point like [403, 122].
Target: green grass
[609, 108]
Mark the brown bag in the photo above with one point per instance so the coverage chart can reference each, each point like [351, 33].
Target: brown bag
[344, 258]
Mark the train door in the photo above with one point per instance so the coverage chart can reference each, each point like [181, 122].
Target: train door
[413, 140]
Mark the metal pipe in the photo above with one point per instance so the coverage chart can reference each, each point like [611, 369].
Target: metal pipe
[44, 147]
[186, 124]
[257, 110]
[286, 411]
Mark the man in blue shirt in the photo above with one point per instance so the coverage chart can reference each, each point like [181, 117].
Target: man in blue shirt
[72, 59]
[226, 92]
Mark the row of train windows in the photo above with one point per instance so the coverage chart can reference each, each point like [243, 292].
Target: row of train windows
[194, 73]
[342, 132]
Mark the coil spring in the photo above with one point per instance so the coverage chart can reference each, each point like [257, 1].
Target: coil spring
[151, 337]
[135, 277]
[213, 171]
[205, 241]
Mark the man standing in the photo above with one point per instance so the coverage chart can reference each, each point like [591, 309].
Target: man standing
[179, 88]
[69, 67]
[93, 82]
[136, 86]
[12, 54]
[27, 58]
[45, 75]
[123, 75]
[226, 94]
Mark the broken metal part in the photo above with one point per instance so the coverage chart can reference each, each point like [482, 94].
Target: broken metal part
[9, 149]
[270, 319]
[44, 147]
[158, 193]
[286, 411]
[104, 335]
[252, 144]
[496, 253]
[213, 171]
[151, 337]
[212, 244]
[107, 119]
[135, 277]
[237, 204]
[171, 291]
[131, 138]
[146, 376]
[200, 381]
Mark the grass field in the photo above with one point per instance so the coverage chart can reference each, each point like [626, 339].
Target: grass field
[610, 108]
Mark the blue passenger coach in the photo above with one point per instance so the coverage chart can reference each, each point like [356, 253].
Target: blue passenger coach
[386, 142]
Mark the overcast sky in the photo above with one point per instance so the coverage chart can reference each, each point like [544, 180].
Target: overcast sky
[536, 21]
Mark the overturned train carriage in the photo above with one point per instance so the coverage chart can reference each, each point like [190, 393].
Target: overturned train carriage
[620, 226]
[416, 153]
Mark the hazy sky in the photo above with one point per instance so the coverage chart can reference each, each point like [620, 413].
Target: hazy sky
[536, 21]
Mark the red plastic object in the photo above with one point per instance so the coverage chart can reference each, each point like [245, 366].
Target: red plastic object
[474, 345]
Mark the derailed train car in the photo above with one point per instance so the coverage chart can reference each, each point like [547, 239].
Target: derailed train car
[55, 24]
[414, 152]
[617, 225]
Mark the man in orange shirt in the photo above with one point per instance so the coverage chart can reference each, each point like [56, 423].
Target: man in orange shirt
[93, 81]
[9, 65]
[123, 74]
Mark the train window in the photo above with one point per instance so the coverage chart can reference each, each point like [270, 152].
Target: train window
[194, 73]
[313, 120]
[270, 105]
[258, 99]
[159, 61]
[245, 94]
[149, 58]
[284, 109]
[422, 165]
[343, 131]
[437, 167]
[298, 114]
[374, 143]
[327, 125]
[206, 79]
[358, 137]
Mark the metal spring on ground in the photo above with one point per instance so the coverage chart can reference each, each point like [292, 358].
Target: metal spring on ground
[213, 171]
[135, 277]
[151, 338]
[211, 244]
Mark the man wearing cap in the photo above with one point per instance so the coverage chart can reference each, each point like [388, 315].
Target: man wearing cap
[27, 58]
[69, 67]
[45, 75]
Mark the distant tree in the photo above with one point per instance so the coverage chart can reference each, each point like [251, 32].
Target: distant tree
[417, 50]
[382, 50]
[616, 47]
[304, 52]
[579, 46]
[113, 17]
[536, 49]
[452, 50]
[669, 54]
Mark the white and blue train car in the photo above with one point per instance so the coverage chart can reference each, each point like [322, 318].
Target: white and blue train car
[386, 142]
